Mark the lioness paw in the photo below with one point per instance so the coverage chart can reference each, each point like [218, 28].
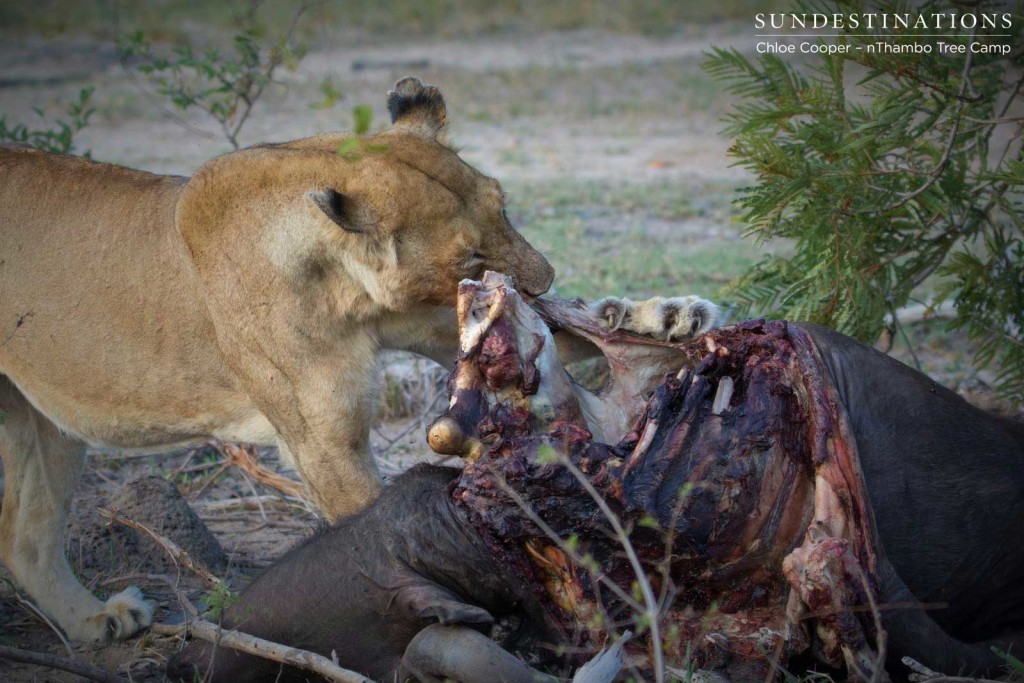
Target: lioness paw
[611, 311]
[672, 319]
[123, 615]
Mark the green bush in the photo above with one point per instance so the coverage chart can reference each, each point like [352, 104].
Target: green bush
[884, 172]
[224, 85]
[57, 136]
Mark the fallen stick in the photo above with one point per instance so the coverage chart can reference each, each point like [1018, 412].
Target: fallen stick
[210, 632]
[226, 504]
[62, 663]
[179, 556]
[922, 674]
[243, 642]
[46, 620]
[244, 457]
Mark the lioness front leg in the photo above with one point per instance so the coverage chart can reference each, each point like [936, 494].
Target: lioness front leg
[320, 402]
[41, 468]
[342, 478]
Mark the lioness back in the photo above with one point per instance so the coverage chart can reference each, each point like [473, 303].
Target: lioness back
[90, 259]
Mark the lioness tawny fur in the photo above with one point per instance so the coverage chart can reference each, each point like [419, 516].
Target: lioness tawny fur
[248, 302]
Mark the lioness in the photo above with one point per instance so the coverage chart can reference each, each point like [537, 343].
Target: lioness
[246, 303]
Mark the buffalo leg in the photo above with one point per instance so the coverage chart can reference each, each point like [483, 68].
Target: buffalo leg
[457, 653]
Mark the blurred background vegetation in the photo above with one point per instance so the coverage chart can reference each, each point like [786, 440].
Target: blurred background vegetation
[598, 116]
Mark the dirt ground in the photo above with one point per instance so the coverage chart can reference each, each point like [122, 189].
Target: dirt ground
[599, 111]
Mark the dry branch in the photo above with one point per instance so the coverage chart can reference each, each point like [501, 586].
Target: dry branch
[244, 457]
[210, 632]
[250, 502]
[302, 659]
[180, 556]
[62, 663]
[28, 605]
[923, 674]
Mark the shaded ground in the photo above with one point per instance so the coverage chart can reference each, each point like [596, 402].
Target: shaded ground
[607, 145]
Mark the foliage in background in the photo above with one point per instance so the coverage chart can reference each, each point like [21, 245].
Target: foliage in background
[57, 136]
[887, 172]
[225, 86]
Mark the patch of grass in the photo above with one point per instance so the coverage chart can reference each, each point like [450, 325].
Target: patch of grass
[633, 264]
[670, 88]
[633, 240]
[554, 198]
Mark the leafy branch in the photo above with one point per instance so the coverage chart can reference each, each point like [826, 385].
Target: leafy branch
[225, 86]
[56, 137]
[884, 172]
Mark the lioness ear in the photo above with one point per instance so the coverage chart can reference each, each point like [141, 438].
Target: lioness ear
[419, 109]
[339, 209]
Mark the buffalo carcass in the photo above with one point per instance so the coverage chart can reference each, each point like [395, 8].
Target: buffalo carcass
[787, 491]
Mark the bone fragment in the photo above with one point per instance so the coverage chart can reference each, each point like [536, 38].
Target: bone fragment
[722, 396]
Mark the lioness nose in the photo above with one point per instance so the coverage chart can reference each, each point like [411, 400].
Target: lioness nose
[539, 278]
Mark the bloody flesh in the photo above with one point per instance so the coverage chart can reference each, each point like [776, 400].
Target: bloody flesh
[737, 480]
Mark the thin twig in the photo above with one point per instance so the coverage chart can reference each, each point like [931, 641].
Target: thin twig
[249, 502]
[651, 607]
[243, 642]
[275, 61]
[244, 457]
[209, 480]
[923, 673]
[995, 121]
[881, 638]
[184, 463]
[74, 666]
[943, 162]
[256, 495]
[177, 120]
[418, 422]
[180, 557]
[910, 344]
[919, 668]
[231, 518]
[565, 547]
[46, 620]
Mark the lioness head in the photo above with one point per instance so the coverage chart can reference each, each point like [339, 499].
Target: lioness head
[390, 221]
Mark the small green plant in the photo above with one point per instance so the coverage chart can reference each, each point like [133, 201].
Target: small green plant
[217, 600]
[354, 148]
[331, 95]
[882, 168]
[57, 136]
[225, 86]
[1013, 664]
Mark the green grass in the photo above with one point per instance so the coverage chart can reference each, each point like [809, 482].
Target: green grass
[633, 240]
[668, 89]
[638, 266]
[668, 201]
